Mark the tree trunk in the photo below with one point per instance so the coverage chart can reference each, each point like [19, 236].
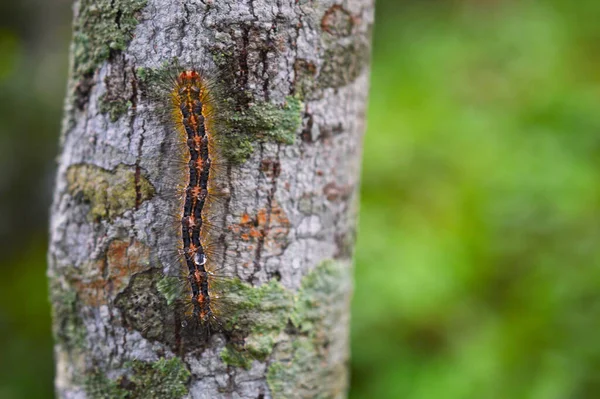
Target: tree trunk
[294, 77]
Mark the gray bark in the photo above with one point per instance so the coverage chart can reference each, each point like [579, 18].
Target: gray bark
[293, 68]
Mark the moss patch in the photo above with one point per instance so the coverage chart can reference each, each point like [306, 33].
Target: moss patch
[97, 386]
[344, 63]
[109, 193]
[68, 327]
[303, 366]
[115, 108]
[259, 313]
[161, 379]
[156, 83]
[171, 288]
[120, 92]
[144, 308]
[304, 77]
[326, 286]
[102, 27]
[261, 122]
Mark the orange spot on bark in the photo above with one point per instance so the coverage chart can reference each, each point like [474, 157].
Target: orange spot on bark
[256, 233]
[103, 279]
[262, 217]
[246, 218]
[272, 227]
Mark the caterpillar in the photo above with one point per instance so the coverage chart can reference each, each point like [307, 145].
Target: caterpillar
[192, 112]
[200, 170]
[199, 270]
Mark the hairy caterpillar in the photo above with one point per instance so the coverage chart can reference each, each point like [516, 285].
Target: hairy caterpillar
[198, 190]
[192, 107]
[201, 253]
[194, 188]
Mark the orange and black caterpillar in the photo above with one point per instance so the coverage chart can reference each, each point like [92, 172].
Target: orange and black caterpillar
[193, 191]
[193, 113]
[191, 109]
[201, 119]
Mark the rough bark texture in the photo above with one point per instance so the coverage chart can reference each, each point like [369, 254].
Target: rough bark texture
[297, 75]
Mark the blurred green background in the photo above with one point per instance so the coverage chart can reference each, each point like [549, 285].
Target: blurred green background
[478, 256]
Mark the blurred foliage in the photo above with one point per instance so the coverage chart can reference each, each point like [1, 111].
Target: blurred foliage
[477, 268]
[478, 261]
[34, 37]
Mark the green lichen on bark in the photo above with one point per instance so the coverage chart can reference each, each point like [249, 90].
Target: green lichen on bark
[121, 89]
[293, 377]
[114, 108]
[98, 386]
[259, 313]
[269, 312]
[108, 193]
[305, 72]
[325, 287]
[171, 288]
[144, 308]
[261, 122]
[68, 328]
[156, 83]
[302, 366]
[163, 379]
[100, 27]
[344, 63]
